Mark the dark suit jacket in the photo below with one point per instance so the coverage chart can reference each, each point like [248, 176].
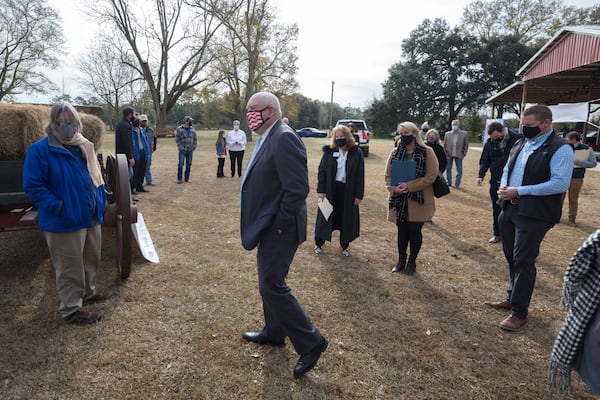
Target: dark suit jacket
[124, 139]
[273, 193]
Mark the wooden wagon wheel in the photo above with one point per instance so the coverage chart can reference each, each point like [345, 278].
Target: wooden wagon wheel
[117, 171]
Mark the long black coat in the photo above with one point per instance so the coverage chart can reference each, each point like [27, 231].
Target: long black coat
[354, 189]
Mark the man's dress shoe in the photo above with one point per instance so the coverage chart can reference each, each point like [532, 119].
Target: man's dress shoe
[309, 360]
[513, 324]
[499, 305]
[261, 338]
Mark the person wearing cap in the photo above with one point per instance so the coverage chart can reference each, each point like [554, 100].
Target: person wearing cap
[151, 138]
[185, 137]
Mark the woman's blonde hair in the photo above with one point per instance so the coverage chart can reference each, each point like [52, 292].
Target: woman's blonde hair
[413, 129]
[347, 134]
[435, 133]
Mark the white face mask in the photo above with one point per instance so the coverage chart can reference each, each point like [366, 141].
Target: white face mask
[236, 127]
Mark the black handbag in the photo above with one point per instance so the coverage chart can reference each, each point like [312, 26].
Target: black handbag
[440, 187]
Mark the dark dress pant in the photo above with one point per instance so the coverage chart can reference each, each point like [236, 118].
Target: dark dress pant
[139, 172]
[494, 186]
[236, 158]
[521, 239]
[283, 314]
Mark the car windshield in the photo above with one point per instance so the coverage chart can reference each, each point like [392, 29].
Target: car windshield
[358, 125]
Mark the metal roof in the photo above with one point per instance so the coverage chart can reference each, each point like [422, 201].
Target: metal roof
[565, 70]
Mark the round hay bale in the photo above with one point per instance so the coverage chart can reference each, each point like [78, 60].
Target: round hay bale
[93, 129]
[24, 124]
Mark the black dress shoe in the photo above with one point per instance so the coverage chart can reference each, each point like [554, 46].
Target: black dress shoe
[261, 338]
[97, 298]
[309, 360]
[142, 190]
[399, 266]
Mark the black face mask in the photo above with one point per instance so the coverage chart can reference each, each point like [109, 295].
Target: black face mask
[531, 131]
[135, 123]
[406, 139]
[341, 142]
[498, 139]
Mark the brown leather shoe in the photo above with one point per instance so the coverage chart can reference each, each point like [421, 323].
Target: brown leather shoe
[499, 305]
[513, 324]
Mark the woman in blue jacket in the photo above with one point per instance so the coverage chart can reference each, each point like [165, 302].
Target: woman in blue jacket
[62, 178]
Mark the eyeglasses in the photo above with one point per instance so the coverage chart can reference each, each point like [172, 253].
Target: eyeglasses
[261, 110]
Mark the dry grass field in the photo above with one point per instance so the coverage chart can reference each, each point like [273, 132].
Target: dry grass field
[173, 330]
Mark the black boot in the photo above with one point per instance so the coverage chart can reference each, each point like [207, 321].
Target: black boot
[411, 266]
[400, 265]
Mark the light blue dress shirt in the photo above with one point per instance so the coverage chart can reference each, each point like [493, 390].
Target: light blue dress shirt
[561, 168]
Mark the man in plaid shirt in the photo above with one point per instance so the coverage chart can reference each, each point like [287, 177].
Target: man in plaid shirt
[185, 137]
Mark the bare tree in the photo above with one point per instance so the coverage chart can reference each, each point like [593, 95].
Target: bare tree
[168, 41]
[254, 52]
[105, 71]
[30, 36]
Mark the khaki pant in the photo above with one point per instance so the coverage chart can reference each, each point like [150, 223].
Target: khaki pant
[76, 260]
[573, 194]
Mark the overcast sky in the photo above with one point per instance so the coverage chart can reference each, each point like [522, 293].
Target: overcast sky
[347, 41]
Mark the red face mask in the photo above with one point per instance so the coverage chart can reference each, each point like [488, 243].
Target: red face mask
[255, 119]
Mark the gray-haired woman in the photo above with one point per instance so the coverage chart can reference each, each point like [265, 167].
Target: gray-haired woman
[62, 178]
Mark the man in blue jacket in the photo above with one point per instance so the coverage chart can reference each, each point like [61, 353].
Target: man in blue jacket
[62, 178]
[493, 157]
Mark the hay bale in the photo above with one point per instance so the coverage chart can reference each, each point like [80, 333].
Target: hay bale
[22, 124]
[93, 129]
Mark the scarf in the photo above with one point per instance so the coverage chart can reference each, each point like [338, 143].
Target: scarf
[581, 297]
[400, 202]
[87, 148]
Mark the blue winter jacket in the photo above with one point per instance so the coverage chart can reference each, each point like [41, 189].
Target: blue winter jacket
[136, 144]
[59, 184]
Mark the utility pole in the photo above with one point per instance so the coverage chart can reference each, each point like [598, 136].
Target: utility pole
[331, 106]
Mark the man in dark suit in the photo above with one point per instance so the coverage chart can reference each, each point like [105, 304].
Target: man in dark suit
[124, 139]
[273, 217]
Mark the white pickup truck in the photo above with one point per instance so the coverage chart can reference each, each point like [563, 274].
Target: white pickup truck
[362, 135]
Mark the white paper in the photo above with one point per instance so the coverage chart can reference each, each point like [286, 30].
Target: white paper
[143, 239]
[325, 207]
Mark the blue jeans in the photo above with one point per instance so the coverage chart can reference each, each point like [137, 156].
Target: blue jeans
[148, 174]
[458, 162]
[187, 157]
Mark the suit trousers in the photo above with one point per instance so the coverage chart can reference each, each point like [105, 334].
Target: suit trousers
[283, 314]
[76, 260]
[494, 186]
[521, 239]
[139, 172]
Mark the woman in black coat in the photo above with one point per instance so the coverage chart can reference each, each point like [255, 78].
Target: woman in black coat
[432, 138]
[341, 179]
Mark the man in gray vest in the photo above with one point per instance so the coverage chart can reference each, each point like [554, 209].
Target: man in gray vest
[533, 181]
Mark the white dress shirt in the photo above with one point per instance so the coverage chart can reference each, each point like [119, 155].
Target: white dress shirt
[340, 175]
